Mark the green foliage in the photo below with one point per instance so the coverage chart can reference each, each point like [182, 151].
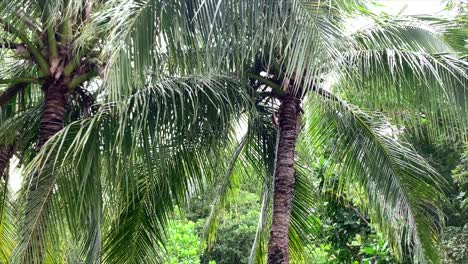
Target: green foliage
[235, 231]
[371, 250]
[235, 227]
[460, 178]
[319, 254]
[344, 234]
[447, 156]
[455, 245]
[399, 189]
[182, 245]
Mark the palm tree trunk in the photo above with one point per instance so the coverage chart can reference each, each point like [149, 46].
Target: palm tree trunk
[51, 122]
[289, 125]
[6, 153]
[53, 115]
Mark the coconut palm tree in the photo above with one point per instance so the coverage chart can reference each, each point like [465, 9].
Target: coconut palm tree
[309, 58]
[65, 63]
[163, 114]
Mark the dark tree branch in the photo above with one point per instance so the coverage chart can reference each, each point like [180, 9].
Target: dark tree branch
[275, 87]
[11, 92]
[361, 216]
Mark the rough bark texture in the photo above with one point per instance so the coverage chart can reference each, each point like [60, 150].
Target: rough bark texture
[6, 153]
[289, 125]
[53, 114]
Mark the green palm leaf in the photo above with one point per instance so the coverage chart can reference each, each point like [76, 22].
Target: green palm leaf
[404, 192]
[135, 149]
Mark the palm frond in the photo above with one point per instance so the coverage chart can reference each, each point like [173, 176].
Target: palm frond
[408, 86]
[404, 192]
[7, 224]
[223, 185]
[402, 34]
[149, 151]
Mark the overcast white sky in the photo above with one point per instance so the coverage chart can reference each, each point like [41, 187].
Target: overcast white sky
[413, 7]
[406, 7]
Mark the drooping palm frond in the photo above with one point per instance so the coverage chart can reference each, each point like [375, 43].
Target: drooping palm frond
[147, 153]
[391, 65]
[223, 186]
[19, 88]
[7, 226]
[302, 218]
[407, 71]
[143, 43]
[409, 86]
[187, 37]
[404, 192]
[392, 62]
[402, 34]
[261, 154]
[301, 34]
[19, 131]
[453, 28]
[146, 38]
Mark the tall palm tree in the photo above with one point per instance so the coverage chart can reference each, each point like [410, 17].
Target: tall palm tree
[399, 66]
[66, 63]
[116, 174]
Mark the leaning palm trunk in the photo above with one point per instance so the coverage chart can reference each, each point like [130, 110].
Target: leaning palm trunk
[289, 125]
[6, 153]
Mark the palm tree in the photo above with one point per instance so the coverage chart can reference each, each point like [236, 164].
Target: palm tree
[163, 111]
[77, 64]
[304, 55]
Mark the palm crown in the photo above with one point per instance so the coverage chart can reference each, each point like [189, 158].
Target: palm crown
[107, 161]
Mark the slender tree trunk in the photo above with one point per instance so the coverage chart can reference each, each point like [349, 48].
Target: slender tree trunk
[6, 153]
[289, 125]
[51, 122]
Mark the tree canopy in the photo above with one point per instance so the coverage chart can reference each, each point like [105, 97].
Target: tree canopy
[120, 112]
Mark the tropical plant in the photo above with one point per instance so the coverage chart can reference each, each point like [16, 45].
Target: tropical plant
[343, 233]
[460, 177]
[454, 249]
[301, 53]
[183, 245]
[457, 32]
[174, 79]
[69, 72]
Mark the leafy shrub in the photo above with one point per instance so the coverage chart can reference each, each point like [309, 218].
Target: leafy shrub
[455, 245]
[460, 177]
[183, 245]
